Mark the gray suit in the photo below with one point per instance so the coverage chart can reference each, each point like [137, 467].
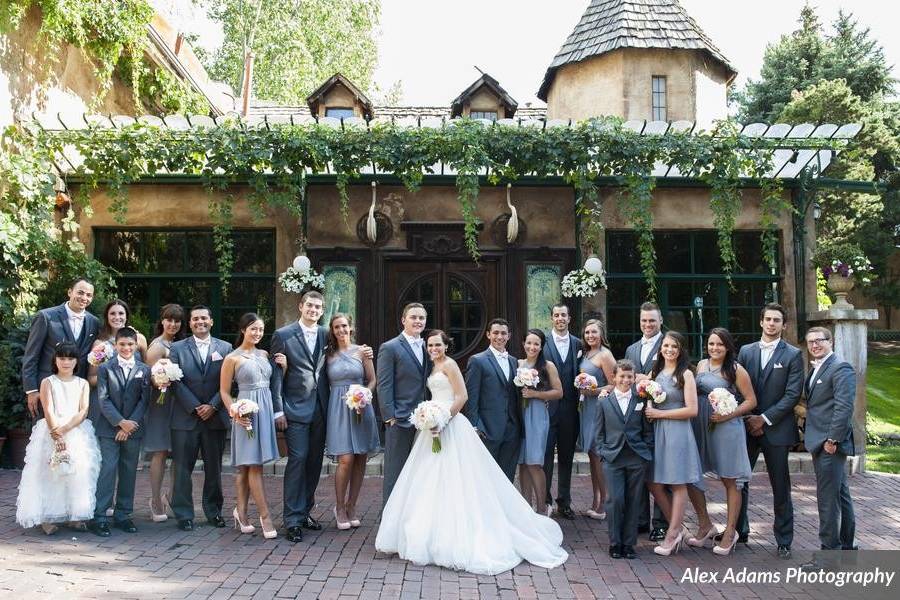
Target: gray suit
[304, 398]
[829, 416]
[120, 398]
[191, 435]
[633, 353]
[401, 387]
[493, 408]
[777, 388]
[563, 434]
[49, 327]
[625, 442]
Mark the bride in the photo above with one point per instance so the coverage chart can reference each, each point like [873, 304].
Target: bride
[455, 508]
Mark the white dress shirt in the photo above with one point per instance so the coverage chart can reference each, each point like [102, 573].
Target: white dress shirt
[418, 346]
[817, 364]
[126, 366]
[76, 320]
[623, 399]
[647, 346]
[766, 350]
[503, 359]
[562, 345]
[202, 347]
[311, 335]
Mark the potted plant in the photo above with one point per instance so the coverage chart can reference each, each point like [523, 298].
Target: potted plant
[14, 418]
[586, 281]
[843, 265]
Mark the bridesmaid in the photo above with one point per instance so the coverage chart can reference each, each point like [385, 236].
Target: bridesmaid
[348, 439]
[257, 379]
[676, 461]
[157, 434]
[598, 361]
[536, 418]
[727, 443]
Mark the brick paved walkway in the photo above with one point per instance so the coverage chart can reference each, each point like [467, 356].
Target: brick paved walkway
[162, 562]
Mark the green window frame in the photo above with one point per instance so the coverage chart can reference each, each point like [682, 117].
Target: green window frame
[692, 292]
[156, 266]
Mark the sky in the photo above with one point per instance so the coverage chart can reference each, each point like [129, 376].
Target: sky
[433, 47]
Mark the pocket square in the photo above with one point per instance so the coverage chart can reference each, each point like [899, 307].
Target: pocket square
[818, 381]
[579, 354]
[638, 406]
[139, 375]
[778, 366]
[216, 355]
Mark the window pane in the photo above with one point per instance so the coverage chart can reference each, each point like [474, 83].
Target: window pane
[201, 257]
[339, 112]
[706, 253]
[186, 292]
[340, 291]
[622, 254]
[749, 252]
[490, 115]
[163, 252]
[254, 252]
[673, 252]
[120, 250]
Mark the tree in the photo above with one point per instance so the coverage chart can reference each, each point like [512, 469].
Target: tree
[807, 56]
[296, 44]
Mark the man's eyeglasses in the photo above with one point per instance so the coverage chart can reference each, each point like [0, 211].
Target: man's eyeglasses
[816, 341]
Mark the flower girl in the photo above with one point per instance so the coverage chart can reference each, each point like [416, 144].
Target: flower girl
[62, 459]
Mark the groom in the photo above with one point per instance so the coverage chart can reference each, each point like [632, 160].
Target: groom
[403, 366]
[493, 406]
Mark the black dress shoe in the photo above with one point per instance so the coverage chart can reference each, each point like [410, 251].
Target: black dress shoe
[784, 552]
[743, 538]
[186, 525]
[854, 547]
[311, 523]
[658, 534]
[294, 534]
[101, 529]
[628, 552]
[217, 521]
[565, 511]
[615, 551]
[126, 525]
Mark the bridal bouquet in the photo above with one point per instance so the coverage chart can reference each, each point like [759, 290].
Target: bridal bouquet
[99, 355]
[61, 461]
[650, 390]
[357, 398]
[244, 407]
[526, 377]
[431, 416]
[584, 381]
[163, 373]
[723, 403]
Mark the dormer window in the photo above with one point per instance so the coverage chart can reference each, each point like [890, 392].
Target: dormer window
[490, 115]
[658, 112]
[339, 112]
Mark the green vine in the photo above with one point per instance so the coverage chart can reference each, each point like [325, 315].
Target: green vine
[274, 159]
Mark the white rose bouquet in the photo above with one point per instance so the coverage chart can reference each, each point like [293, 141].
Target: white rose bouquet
[722, 402]
[651, 390]
[431, 416]
[163, 373]
[242, 408]
[357, 398]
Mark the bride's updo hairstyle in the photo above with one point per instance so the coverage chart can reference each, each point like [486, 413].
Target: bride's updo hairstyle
[444, 338]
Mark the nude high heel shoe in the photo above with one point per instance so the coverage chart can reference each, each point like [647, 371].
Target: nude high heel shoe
[702, 541]
[342, 525]
[662, 550]
[237, 523]
[269, 534]
[157, 518]
[726, 550]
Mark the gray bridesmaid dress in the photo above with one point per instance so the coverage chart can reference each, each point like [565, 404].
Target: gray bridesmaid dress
[253, 376]
[536, 422]
[158, 418]
[344, 435]
[675, 456]
[727, 442]
[590, 408]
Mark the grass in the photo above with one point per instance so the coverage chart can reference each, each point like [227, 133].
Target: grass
[883, 399]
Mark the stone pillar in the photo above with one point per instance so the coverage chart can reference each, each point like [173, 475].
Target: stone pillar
[849, 328]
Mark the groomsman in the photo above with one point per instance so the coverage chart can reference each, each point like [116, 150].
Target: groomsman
[828, 435]
[68, 322]
[303, 343]
[776, 373]
[199, 420]
[493, 406]
[643, 354]
[403, 365]
[564, 351]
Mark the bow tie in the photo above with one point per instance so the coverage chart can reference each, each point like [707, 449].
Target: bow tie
[503, 354]
[560, 340]
[202, 342]
[767, 345]
[126, 364]
[645, 341]
[816, 363]
[625, 397]
[77, 317]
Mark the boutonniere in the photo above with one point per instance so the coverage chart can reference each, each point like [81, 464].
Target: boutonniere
[778, 366]
[216, 355]
[639, 406]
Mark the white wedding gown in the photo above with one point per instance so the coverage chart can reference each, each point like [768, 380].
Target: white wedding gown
[455, 508]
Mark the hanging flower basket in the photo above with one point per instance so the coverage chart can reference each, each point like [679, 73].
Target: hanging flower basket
[581, 284]
[295, 282]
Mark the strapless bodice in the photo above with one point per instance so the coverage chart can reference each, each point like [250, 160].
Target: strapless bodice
[440, 388]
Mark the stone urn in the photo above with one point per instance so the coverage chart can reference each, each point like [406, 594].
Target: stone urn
[840, 286]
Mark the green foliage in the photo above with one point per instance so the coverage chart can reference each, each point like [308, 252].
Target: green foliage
[807, 56]
[273, 159]
[293, 44]
[12, 348]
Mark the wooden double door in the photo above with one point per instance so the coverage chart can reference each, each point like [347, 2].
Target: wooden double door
[460, 296]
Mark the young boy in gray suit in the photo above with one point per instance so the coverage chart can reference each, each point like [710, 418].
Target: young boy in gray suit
[625, 439]
[123, 392]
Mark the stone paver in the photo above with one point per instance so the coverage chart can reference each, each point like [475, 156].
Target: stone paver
[162, 562]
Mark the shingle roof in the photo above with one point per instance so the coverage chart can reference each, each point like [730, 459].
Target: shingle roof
[608, 25]
[456, 107]
[262, 108]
